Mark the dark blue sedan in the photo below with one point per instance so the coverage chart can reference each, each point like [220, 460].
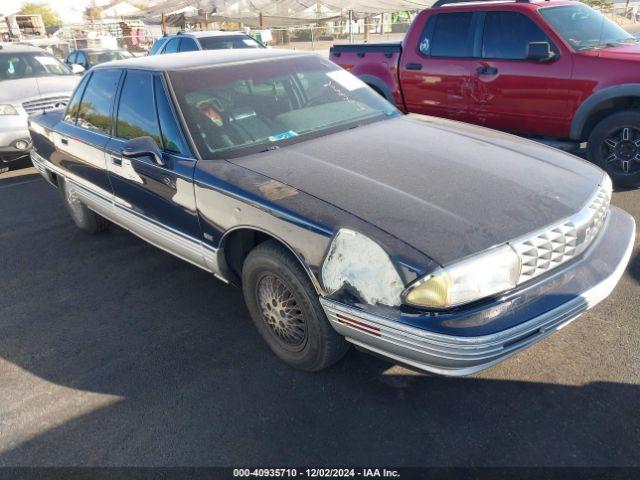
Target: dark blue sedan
[436, 244]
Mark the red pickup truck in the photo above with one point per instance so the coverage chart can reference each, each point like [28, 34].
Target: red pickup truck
[557, 71]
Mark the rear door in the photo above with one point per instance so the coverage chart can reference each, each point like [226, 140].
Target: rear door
[159, 194]
[512, 93]
[81, 137]
[436, 74]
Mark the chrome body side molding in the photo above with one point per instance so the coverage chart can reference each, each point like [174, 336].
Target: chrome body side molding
[184, 247]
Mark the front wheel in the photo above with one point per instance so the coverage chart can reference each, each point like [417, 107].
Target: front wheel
[614, 145]
[285, 309]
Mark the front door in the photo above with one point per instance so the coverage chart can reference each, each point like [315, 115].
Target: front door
[512, 93]
[156, 201]
[436, 74]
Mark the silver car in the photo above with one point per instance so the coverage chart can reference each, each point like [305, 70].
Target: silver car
[31, 81]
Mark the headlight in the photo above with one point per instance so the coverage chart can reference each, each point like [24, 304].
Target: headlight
[472, 279]
[8, 110]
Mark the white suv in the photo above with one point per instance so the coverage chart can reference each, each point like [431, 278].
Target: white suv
[31, 81]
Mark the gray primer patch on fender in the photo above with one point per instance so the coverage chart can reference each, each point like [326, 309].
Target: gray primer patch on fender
[357, 261]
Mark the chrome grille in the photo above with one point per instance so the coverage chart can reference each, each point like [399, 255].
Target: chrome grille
[557, 244]
[49, 103]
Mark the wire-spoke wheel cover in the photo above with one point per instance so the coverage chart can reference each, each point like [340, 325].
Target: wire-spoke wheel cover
[75, 205]
[282, 312]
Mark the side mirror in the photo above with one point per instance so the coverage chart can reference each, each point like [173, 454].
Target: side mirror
[143, 147]
[77, 69]
[540, 52]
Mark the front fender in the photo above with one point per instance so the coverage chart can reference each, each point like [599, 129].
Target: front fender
[590, 104]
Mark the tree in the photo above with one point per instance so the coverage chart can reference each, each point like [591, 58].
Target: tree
[49, 17]
[600, 4]
[93, 12]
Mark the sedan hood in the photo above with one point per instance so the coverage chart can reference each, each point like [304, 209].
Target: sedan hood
[447, 189]
[21, 90]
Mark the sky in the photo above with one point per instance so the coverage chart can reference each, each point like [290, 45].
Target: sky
[69, 10]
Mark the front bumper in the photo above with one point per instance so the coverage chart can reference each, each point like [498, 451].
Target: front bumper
[14, 128]
[581, 285]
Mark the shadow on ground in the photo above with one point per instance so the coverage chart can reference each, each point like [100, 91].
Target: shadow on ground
[197, 386]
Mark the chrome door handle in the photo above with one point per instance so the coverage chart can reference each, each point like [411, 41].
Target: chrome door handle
[116, 161]
[64, 141]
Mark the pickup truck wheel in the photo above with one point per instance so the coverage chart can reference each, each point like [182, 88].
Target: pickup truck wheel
[85, 219]
[285, 309]
[614, 145]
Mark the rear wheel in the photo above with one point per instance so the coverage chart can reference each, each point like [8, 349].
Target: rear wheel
[614, 145]
[84, 218]
[285, 309]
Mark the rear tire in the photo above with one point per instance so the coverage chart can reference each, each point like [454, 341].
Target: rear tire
[614, 145]
[84, 218]
[285, 309]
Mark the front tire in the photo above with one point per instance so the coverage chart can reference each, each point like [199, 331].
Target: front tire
[84, 218]
[614, 145]
[285, 309]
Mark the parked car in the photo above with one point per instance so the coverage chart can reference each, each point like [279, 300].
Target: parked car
[211, 40]
[31, 80]
[90, 57]
[437, 244]
[557, 71]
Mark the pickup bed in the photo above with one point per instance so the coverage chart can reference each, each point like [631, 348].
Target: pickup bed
[537, 69]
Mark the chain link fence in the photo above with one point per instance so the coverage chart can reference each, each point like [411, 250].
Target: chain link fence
[316, 38]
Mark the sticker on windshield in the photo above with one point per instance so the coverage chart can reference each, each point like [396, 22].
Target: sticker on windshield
[282, 136]
[348, 81]
[47, 60]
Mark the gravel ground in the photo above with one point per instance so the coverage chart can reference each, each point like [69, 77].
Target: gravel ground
[115, 353]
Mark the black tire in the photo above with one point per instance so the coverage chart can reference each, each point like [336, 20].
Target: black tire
[613, 146]
[84, 218]
[301, 335]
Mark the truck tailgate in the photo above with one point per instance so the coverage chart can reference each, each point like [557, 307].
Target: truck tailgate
[374, 63]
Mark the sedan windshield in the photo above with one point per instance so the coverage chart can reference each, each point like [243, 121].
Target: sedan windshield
[584, 28]
[222, 42]
[30, 64]
[96, 58]
[258, 106]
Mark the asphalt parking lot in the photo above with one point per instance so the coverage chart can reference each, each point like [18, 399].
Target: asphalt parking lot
[115, 353]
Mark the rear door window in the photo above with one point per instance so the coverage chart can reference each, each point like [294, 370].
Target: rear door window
[136, 111]
[452, 36]
[94, 112]
[507, 35]
[74, 104]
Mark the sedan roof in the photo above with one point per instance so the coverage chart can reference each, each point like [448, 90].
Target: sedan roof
[12, 47]
[199, 59]
[212, 33]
